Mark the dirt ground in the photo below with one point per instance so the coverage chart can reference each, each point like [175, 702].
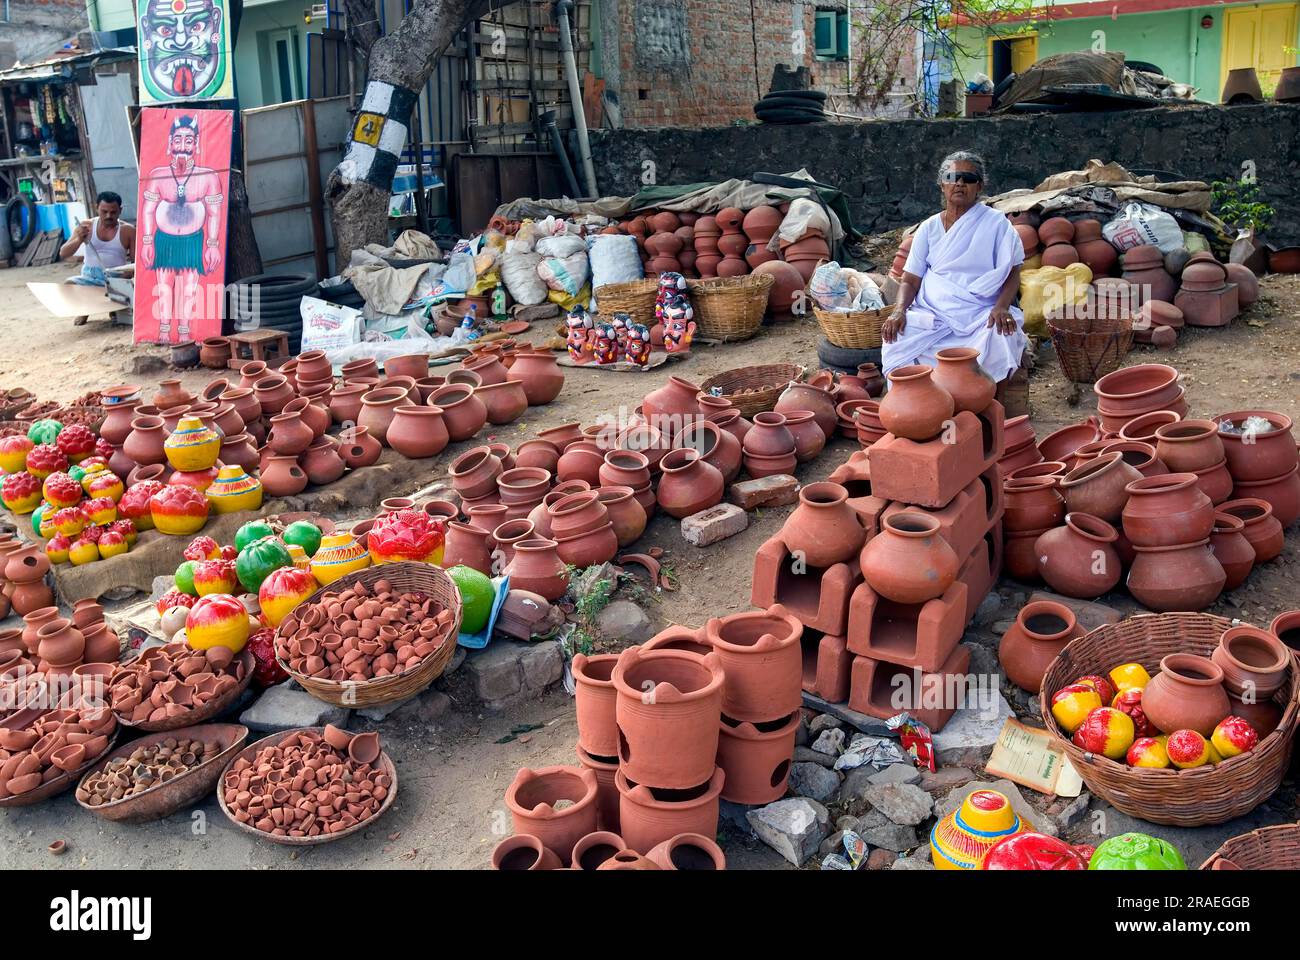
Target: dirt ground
[450, 813]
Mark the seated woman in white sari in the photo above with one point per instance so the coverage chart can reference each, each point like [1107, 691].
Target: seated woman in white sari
[961, 275]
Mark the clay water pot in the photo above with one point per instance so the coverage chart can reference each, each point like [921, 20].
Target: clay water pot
[86, 613]
[649, 816]
[915, 407]
[485, 516]
[1056, 230]
[273, 391]
[441, 509]
[715, 446]
[289, 435]
[524, 852]
[505, 402]
[378, 408]
[1043, 628]
[1286, 627]
[1143, 429]
[595, 703]
[769, 436]
[624, 468]
[759, 466]
[762, 661]
[645, 439]
[541, 377]
[540, 454]
[283, 477]
[1140, 456]
[1143, 388]
[322, 462]
[463, 413]
[32, 623]
[474, 473]
[509, 533]
[1262, 529]
[1079, 559]
[959, 372]
[1189, 445]
[171, 394]
[1180, 577]
[59, 643]
[1099, 486]
[809, 440]
[1215, 482]
[1231, 548]
[1254, 662]
[537, 568]
[345, 402]
[1282, 493]
[823, 528]
[413, 365]
[590, 547]
[672, 406]
[535, 799]
[1098, 254]
[1258, 456]
[576, 513]
[581, 461]
[668, 710]
[733, 423]
[358, 448]
[1166, 510]
[1187, 694]
[908, 561]
[238, 449]
[417, 431]
[468, 545]
[689, 484]
[523, 485]
[144, 444]
[562, 435]
[315, 413]
[362, 367]
[117, 421]
[625, 513]
[1031, 504]
[799, 397]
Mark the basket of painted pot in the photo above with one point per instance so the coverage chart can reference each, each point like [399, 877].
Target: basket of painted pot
[1268, 848]
[636, 298]
[1182, 798]
[754, 390]
[730, 308]
[1090, 347]
[405, 577]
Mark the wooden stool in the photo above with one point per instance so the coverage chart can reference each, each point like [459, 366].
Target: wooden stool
[258, 342]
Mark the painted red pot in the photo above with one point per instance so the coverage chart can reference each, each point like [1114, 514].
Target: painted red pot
[908, 561]
[809, 440]
[541, 377]
[505, 401]
[1189, 445]
[688, 484]
[807, 396]
[756, 758]
[580, 461]
[537, 567]
[668, 710]
[1187, 694]
[714, 445]
[762, 661]
[1043, 628]
[824, 529]
[959, 372]
[1256, 456]
[1031, 504]
[672, 406]
[1262, 529]
[358, 448]
[1180, 577]
[417, 431]
[649, 816]
[1283, 493]
[322, 462]
[769, 436]
[1231, 548]
[283, 477]
[1079, 559]
[625, 513]
[1099, 486]
[595, 703]
[535, 799]
[1166, 510]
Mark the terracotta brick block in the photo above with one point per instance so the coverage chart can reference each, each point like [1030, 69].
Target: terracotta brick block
[854, 475]
[776, 490]
[965, 519]
[932, 473]
[818, 596]
[981, 569]
[1213, 308]
[881, 689]
[827, 664]
[908, 634]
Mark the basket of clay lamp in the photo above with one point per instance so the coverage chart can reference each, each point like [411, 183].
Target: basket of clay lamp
[730, 308]
[1090, 347]
[1268, 848]
[330, 629]
[636, 298]
[1213, 793]
[754, 390]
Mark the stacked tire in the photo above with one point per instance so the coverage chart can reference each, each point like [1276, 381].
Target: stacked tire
[344, 294]
[792, 106]
[272, 301]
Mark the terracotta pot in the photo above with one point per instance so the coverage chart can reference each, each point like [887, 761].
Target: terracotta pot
[378, 408]
[474, 473]
[756, 758]
[580, 461]
[32, 623]
[534, 799]
[689, 484]
[489, 369]
[537, 568]
[624, 468]
[672, 406]
[589, 548]
[1282, 493]
[562, 435]
[144, 444]
[915, 407]
[505, 401]
[441, 509]
[1144, 388]
[524, 852]
[361, 367]
[358, 448]
[413, 365]
[762, 660]
[171, 394]
[645, 439]
[1043, 628]
[1257, 456]
[1180, 577]
[289, 435]
[273, 391]
[542, 379]
[1099, 486]
[1140, 456]
[607, 799]
[1079, 559]
[463, 413]
[59, 643]
[733, 423]
[323, 462]
[468, 545]
[1231, 548]
[769, 436]
[1263, 715]
[1187, 694]
[1064, 442]
[315, 413]
[238, 449]
[417, 431]
[907, 561]
[86, 613]
[809, 440]
[283, 477]
[1189, 445]
[541, 454]
[595, 703]
[649, 816]
[959, 373]
[117, 421]
[714, 445]
[1143, 428]
[1254, 662]
[824, 529]
[668, 710]
[523, 485]
[689, 851]
[102, 644]
[798, 397]
[1286, 627]
[1019, 558]
[27, 564]
[1031, 504]
[345, 403]
[625, 513]
[759, 466]
[1166, 510]
[507, 534]
[1262, 529]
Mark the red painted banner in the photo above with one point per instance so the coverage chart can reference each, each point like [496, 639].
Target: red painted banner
[181, 234]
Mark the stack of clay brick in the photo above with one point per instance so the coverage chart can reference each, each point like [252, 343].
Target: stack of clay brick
[857, 642]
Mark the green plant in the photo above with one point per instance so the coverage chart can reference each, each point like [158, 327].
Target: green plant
[1237, 203]
[586, 609]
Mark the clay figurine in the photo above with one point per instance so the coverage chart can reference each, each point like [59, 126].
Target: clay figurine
[637, 349]
[580, 338]
[679, 328]
[605, 349]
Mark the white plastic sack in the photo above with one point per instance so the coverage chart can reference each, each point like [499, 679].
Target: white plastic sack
[519, 273]
[829, 287]
[560, 247]
[328, 326]
[1140, 224]
[614, 259]
[566, 275]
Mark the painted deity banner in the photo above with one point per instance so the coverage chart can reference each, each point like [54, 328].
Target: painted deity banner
[181, 231]
[184, 51]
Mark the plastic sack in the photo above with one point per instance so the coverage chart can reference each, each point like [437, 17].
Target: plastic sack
[1140, 224]
[567, 275]
[561, 247]
[806, 215]
[830, 287]
[485, 284]
[328, 326]
[613, 259]
[568, 301]
[1050, 288]
[460, 275]
[864, 294]
[519, 272]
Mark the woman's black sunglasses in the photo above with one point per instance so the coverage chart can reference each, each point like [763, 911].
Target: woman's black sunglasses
[953, 176]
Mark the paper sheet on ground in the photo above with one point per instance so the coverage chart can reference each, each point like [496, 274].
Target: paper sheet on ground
[73, 299]
[1031, 758]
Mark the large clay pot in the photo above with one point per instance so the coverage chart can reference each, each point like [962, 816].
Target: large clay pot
[1031, 504]
[1187, 694]
[524, 852]
[468, 545]
[714, 445]
[1254, 662]
[806, 396]
[668, 710]
[649, 816]
[463, 413]
[1282, 493]
[595, 704]
[1180, 577]
[769, 436]
[1260, 455]
[537, 568]
[557, 805]
[1079, 559]
[672, 406]
[689, 484]
[358, 448]
[959, 372]
[907, 561]
[809, 440]
[1042, 630]
[1165, 510]
[915, 407]
[1262, 529]
[625, 513]
[289, 436]
[378, 408]
[474, 473]
[117, 421]
[788, 282]
[824, 529]
[541, 377]
[144, 444]
[283, 477]
[1231, 548]
[417, 431]
[505, 401]
[345, 402]
[273, 391]
[624, 468]
[1189, 445]
[580, 461]
[322, 462]
[762, 661]
[1099, 486]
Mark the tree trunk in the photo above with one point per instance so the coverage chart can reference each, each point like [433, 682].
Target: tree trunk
[363, 23]
[400, 63]
[243, 258]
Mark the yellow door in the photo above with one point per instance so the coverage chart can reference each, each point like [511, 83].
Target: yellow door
[1024, 53]
[1263, 37]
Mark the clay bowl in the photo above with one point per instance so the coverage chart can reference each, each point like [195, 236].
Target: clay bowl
[212, 708]
[60, 783]
[180, 792]
[384, 763]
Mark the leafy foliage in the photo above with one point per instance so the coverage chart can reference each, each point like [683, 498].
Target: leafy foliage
[1237, 203]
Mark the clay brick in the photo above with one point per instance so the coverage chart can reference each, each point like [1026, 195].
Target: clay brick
[969, 515]
[882, 690]
[827, 665]
[933, 472]
[774, 491]
[908, 634]
[716, 523]
[1213, 308]
[980, 571]
[854, 475]
[818, 596]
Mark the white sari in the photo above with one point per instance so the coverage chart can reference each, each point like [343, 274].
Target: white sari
[962, 271]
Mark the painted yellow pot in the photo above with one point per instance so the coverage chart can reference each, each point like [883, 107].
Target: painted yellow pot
[91, 473]
[961, 840]
[192, 446]
[104, 484]
[217, 620]
[233, 490]
[339, 555]
[83, 551]
[299, 557]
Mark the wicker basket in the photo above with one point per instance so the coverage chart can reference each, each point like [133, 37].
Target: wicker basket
[753, 390]
[406, 577]
[856, 330]
[1182, 798]
[1090, 348]
[635, 298]
[730, 308]
[1268, 848]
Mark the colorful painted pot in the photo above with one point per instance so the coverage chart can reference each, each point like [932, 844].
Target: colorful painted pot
[192, 446]
[178, 511]
[83, 551]
[215, 576]
[101, 510]
[234, 490]
[217, 620]
[13, 453]
[339, 555]
[104, 483]
[282, 590]
[21, 492]
[961, 840]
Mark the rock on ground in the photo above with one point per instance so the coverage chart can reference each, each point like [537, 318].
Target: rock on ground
[625, 622]
[808, 755]
[813, 780]
[830, 742]
[823, 721]
[281, 708]
[794, 827]
[902, 803]
[891, 836]
[895, 773]
[507, 671]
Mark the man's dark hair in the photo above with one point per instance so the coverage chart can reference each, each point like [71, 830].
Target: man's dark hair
[108, 196]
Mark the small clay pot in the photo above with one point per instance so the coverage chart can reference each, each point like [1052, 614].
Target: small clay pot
[283, 477]
[595, 703]
[1254, 662]
[378, 408]
[358, 448]
[809, 397]
[524, 852]
[541, 454]
[769, 436]
[322, 462]
[1043, 628]
[463, 413]
[714, 445]
[537, 568]
[474, 473]
[958, 371]
[1031, 504]
[1257, 456]
[908, 561]
[505, 401]
[468, 545]
[418, 431]
[625, 513]
[557, 805]
[1231, 548]
[1187, 694]
[1262, 529]
[689, 484]
[824, 529]
[915, 407]
[289, 436]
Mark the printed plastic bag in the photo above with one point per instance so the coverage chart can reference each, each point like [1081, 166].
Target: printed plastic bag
[830, 288]
[567, 275]
[1141, 223]
[328, 326]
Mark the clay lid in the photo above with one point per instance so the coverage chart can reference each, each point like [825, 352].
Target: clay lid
[1204, 275]
[1161, 314]
[1143, 257]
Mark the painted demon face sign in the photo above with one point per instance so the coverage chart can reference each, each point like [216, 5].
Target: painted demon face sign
[183, 47]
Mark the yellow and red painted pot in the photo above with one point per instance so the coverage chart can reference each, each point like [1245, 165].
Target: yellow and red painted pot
[83, 551]
[217, 620]
[234, 489]
[45, 527]
[299, 556]
[215, 576]
[90, 472]
[13, 453]
[101, 510]
[961, 840]
[104, 483]
[21, 492]
[112, 544]
[192, 446]
[69, 521]
[56, 549]
[339, 555]
[178, 511]
[61, 490]
[282, 590]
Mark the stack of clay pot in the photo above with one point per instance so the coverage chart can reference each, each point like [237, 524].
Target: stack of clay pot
[805, 253]
[1057, 237]
[1207, 296]
[664, 244]
[733, 243]
[707, 253]
[1131, 392]
[759, 225]
[1262, 463]
[23, 577]
[54, 744]
[1144, 269]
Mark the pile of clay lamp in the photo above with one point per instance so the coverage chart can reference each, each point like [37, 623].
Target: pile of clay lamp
[145, 768]
[720, 723]
[20, 409]
[167, 682]
[54, 744]
[1178, 509]
[83, 649]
